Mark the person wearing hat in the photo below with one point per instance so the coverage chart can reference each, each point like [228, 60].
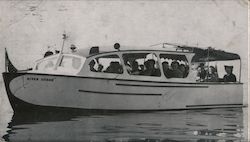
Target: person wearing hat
[48, 53]
[150, 68]
[202, 73]
[229, 77]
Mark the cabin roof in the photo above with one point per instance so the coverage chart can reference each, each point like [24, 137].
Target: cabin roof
[85, 52]
[201, 54]
[210, 54]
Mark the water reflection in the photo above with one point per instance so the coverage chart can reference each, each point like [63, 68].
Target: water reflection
[222, 125]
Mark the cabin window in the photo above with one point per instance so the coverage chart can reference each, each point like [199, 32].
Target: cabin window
[69, 64]
[142, 64]
[48, 64]
[106, 64]
[174, 66]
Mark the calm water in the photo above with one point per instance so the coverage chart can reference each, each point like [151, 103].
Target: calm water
[220, 125]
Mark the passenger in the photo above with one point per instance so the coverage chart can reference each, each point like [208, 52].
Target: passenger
[91, 66]
[166, 69]
[135, 68]
[118, 68]
[212, 75]
[114, 67]
[48, 53]
[229, 77]
[175, 72]
[100, 67]
[150, 68]
[186, 71]
[182, 68]
[202, 73]
[128, 67]
[141, 69]
[57, 51]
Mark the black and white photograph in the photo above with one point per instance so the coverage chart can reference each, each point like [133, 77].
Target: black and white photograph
[124, 71]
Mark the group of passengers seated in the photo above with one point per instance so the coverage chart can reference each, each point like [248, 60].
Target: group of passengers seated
[148, 68]
[211, 75]
[176, 70]
[114, 67]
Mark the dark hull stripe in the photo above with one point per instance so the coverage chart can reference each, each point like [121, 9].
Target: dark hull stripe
[149, 81]
[189, 106]
[112, 93]
[168, 86]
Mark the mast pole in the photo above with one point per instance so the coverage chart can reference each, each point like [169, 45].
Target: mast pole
[61, 52]
[64, 38]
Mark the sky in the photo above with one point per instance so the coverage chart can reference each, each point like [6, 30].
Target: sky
[28, 27]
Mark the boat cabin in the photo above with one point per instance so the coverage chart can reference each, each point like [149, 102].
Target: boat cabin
[151, 65]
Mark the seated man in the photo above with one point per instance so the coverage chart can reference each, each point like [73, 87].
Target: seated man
[150, 68]
[175, 72]
[166, 69]
[135, 68]
[202, 73]
[229, 77]
[182, 68]
[114, 67]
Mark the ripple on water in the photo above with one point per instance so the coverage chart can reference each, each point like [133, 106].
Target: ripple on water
[199, 125]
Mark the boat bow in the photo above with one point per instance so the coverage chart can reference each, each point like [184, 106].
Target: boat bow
[9, 67]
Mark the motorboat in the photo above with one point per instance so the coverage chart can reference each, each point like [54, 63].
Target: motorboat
[122, 80]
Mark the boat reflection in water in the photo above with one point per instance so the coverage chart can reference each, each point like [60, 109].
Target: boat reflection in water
[189, 125]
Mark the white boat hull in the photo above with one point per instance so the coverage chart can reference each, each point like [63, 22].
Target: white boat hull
[118, 94]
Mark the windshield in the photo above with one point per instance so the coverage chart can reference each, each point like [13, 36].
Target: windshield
[64, 64]
[47, 64]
